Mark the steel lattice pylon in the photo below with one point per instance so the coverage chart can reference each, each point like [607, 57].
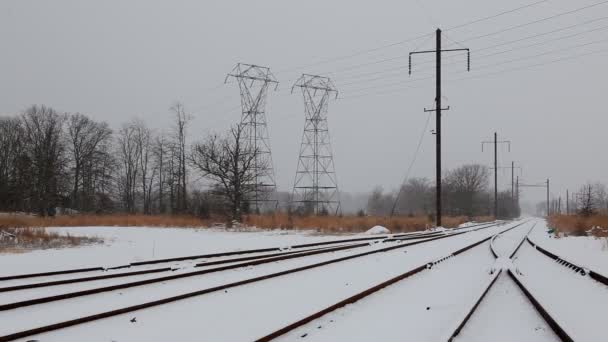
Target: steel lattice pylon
[254, 82]
[315, 187]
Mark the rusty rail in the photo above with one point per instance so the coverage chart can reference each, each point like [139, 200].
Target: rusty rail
[363, 294]
[90, 318]
[557, 329]
[577, 268]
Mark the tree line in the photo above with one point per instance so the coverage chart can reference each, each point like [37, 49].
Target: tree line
[465, 192]
[52, 160]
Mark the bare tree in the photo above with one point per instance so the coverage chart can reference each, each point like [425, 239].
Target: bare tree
[160, 151]
[128, 156]
[463, 187]
[11, 166]
[143, 140]
[85, 139]
[181, 122]
[228, 162]
[45, 149]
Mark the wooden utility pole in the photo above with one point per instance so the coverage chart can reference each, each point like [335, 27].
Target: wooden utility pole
[496, 142]
[548, 205]
[438, 51]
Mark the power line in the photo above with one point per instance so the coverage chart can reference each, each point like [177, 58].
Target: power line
[522, 68]
[409, 40]
[497, 53]
[357, 76]
[496, 15]
[536, 21]
[409, 168]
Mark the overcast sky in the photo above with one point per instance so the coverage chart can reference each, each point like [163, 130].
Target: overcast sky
[115, 60]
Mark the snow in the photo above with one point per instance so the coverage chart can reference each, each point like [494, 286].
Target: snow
[576, 302]
[424, 307]
[291, 297]
[506, 314]
[378, 230]
[587, 251]
[129, 244]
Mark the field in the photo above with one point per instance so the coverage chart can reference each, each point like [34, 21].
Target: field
[580, 226]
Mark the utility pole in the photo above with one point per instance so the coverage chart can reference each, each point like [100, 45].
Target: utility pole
[567, 203]
[438, 51]
[517, 187]
[496, 142]
[548, 208]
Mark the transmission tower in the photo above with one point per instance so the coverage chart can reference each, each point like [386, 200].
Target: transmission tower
[254, 82]
[315, 187]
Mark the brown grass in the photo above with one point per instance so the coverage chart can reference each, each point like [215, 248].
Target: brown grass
[326, 224]
[578, 225]
[103, 220]
[14, 240]
[349, 224]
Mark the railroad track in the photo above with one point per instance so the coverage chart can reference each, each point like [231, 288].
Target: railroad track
[276, 250]
[89, 318]
[551, 322]
[568, 264]
[246, 261]
[372, 290]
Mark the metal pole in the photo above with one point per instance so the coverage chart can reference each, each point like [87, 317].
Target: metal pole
[567, 202]
[512, 179]
[495, 175]
[548, 208]
[438, 125]
[517, 186]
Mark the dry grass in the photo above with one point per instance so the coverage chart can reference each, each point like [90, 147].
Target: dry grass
[325, 224]
[14, 240]
[103, 220]
[579, 226]
[349, 224]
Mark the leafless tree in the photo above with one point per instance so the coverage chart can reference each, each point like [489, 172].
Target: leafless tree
[463, 186]
[128, 156]
[181, 122]
[160, 150]
[85, 140]
[143, 138]
[45, 149]
[12, 179]
[228, 162]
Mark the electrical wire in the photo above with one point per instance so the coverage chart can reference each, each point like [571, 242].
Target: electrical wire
[510, 28]
[409, 40]
[413, 161]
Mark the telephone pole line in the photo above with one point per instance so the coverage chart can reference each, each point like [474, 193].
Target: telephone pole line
[496, 142]
[438, 51]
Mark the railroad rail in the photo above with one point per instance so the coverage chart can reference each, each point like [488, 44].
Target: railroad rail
[231, 253]
[296, 253]
[371, 290]
[90, 318]
[576, 268]
[557, 329]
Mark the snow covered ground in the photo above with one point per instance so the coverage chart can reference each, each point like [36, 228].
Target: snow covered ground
[584, 251]
[424, 307]
[128, 244]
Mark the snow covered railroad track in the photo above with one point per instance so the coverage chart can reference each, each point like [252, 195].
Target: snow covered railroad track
[219, 255]
[46, 315]
[295, 251]
[535, 329]
[293, 331]
[562, 261]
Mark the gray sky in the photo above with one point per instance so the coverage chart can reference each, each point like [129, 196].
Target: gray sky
[115, 60]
